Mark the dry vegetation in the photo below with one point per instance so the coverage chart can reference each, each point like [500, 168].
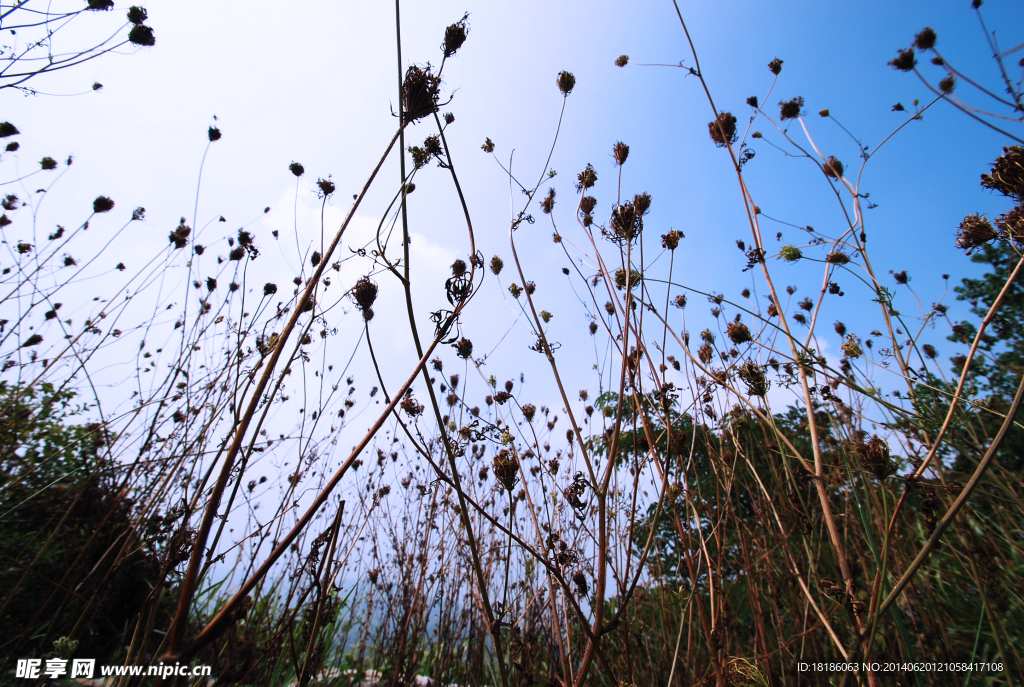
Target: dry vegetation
[483, 540]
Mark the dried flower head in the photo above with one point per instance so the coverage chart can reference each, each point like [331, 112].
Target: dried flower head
[364, 293]
[679, 301]
[974, 232]
[48, 163]
[179, 237]
[790, 109]
[722, 129]
[269, 289]
[102, 204]
[213, 133]
[947, 84]
[738, 333]
[506, 469]
[926, 39]
[705, 353]
[587, 204]
[566, 82]
[851, 347]
[548, 204]
[463, 348]
[833, 168]
[326, 187]
[874, 457]
[620, 151]
[8, 129]
[905, 60]
[671, 239]
[754, 378]
[496, 265]
[455, 36]
[622, 60]
[752, 101]
[1007, 174]
[775, 66]
[837, 257]
[929, 351]
[410, 406]
[587, 178]
[1011, 224]
[488, 146]
[100, 5]
[420, 91]
[296, 169]
[137, 15]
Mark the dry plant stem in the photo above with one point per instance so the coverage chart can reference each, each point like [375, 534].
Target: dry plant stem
[811, 420]
[190, 580]
[324, 581]
[968, 489]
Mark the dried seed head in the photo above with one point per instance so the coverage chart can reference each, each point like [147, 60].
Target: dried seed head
[1011, 224]
[833, 168]
[905, 61]
[723, 129]
[901, 277]
[420, 91]
[671, 239]
[1007, 174]
[326, 187]
[837, 258]
[548, 204]
[622, 60]
[449, 118]
[137, 15]
[566, 82]
[705, 353]
[587, 204]
[790, 109]
[679, 301]
[488, 146]
[496, 265]
[237, 253]
[620, 151]
[874, 457]
[529, 410]
[364, 293]
[269, 289]
[8, 129]
[458, 267]
[587, 178]
[754, 378]
[974, 232]
[102, 204]
[179, 237]
[926, 39]
[851, 347]
[100, 5]
[738, 333]
[593, 328]
[775, 66]
[213, 133]
[752, 101]
[947, 84]
[506, 469]
[530, 288]
[790, 253]
[929, 351]
[455, 36]
[297, 169]
[48, 163]
[463, 348]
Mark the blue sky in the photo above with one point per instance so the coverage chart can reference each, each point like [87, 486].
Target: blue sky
[315, 82]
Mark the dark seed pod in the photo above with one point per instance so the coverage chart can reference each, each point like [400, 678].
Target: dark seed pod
[775, 66]
[620, 151]
[926, 39]
[297, 169]
[1007, 174]
[137, 15]
[723, 129]
[974, 232]
[833, 168]
[905, 61]
[364, 293]
[790, 109]
[455, 36]
[102, 204]
[420, 91]
[213, 133]
[566, 82]
[269, 289]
